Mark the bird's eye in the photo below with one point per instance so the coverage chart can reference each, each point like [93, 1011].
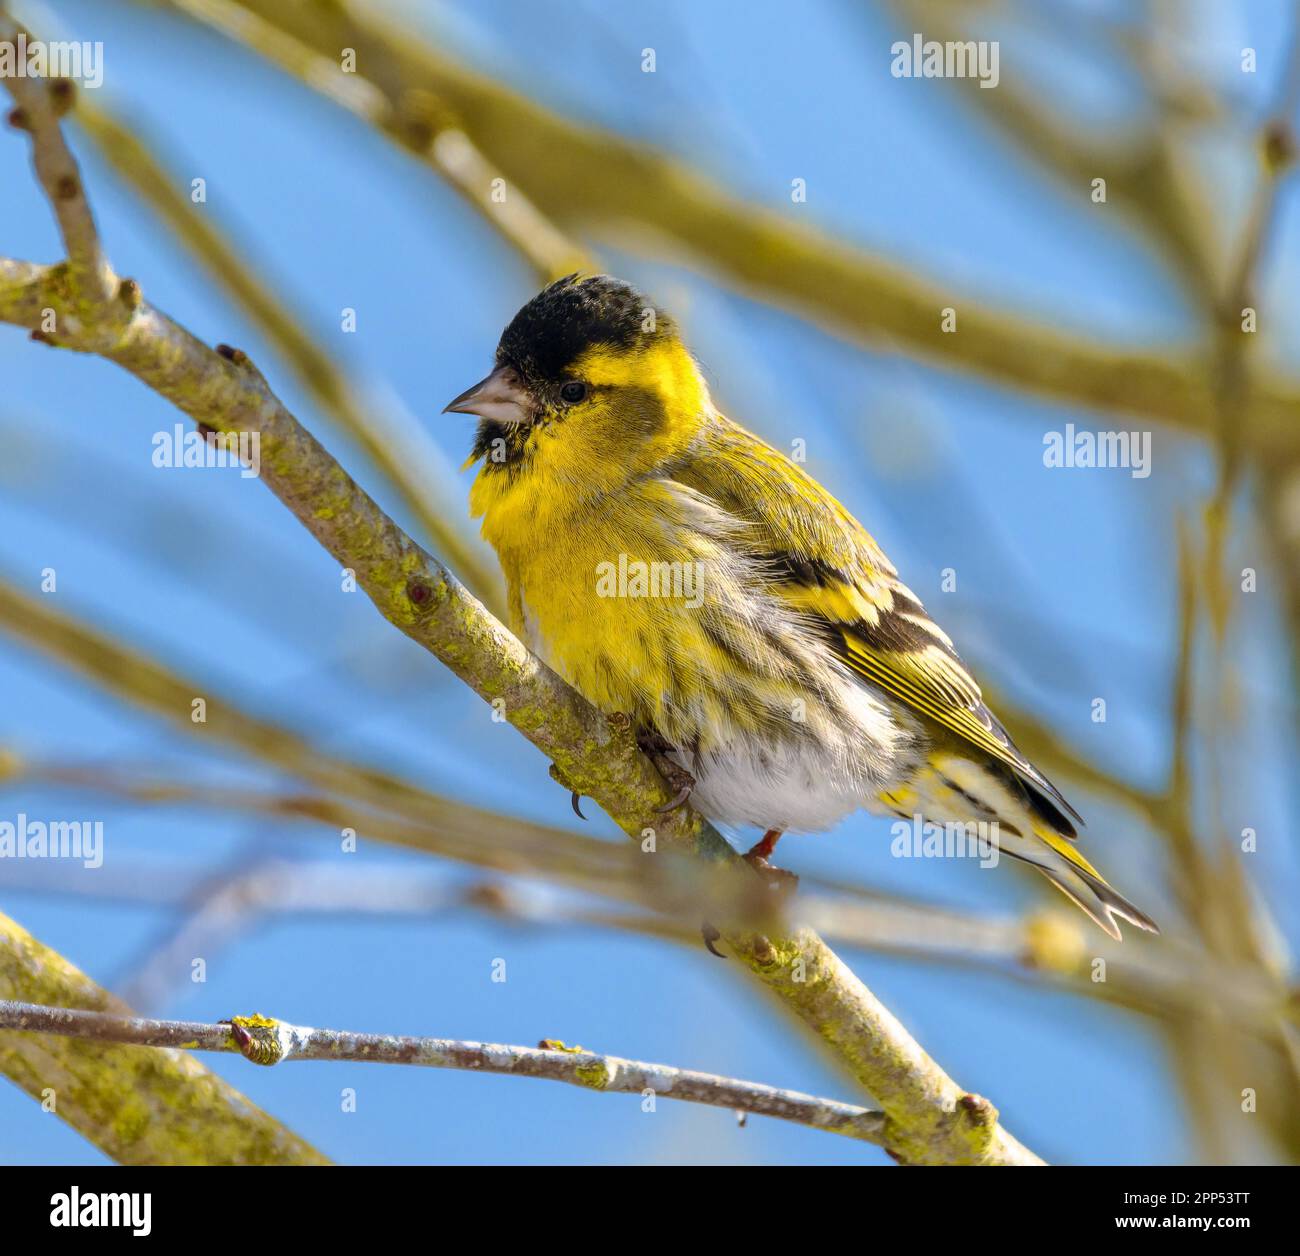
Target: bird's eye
[574, 390]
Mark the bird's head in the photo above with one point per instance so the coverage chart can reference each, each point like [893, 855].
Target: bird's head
[592, 386]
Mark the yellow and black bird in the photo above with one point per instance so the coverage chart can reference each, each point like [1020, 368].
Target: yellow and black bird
[672, 566]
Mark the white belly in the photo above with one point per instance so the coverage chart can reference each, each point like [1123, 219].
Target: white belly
[807, 785]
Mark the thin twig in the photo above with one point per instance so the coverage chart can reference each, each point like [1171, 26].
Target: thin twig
[267, 1041]
[39, 105]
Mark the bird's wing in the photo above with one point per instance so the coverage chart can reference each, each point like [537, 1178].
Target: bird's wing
[827, 566]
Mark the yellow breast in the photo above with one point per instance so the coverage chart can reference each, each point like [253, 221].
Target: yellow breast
[622, 601]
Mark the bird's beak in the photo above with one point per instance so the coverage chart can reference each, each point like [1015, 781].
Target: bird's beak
[501, 397]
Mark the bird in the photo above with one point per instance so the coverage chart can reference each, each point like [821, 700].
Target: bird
[674, 567]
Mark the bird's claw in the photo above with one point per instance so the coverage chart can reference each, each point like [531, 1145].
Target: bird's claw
[678, 779]
[678, 800]
[575, 796]
[711, 934]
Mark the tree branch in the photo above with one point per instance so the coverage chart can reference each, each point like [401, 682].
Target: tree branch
[39, 106]
[267, 1041]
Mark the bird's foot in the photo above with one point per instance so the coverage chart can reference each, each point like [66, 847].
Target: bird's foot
[711, 934]
[680, 781]
[657, 749]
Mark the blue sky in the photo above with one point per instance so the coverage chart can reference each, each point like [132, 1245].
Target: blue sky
[1066, 583]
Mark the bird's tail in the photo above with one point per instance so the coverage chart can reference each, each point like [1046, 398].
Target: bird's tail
[1055, 857]
[954, 788]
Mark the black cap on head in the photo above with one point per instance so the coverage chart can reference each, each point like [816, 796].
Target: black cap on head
[571, 315]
